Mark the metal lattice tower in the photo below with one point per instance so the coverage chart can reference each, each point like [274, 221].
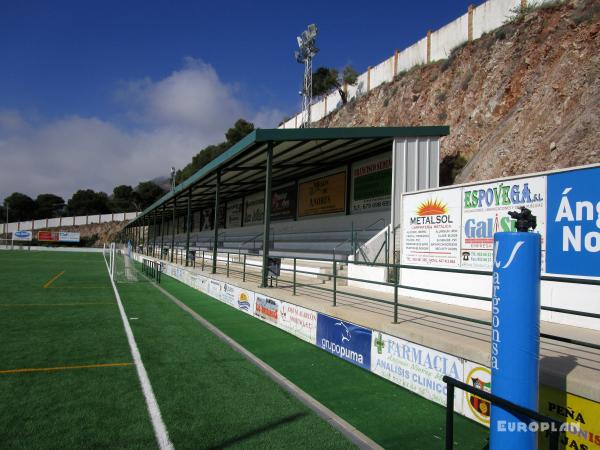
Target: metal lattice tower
[305, 55]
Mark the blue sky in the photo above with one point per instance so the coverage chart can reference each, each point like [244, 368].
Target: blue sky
[147, 84]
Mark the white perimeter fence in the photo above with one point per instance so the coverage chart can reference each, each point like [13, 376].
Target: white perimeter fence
[66, 221]
[437, 45]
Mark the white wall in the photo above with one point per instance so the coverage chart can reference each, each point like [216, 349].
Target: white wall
[486, 17]
[65, 221]
[449, 37]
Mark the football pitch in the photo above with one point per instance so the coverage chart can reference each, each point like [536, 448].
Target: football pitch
[68, 378]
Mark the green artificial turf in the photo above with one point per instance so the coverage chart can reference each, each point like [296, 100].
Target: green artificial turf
[209, 396]
[63, 325]
[392, 416]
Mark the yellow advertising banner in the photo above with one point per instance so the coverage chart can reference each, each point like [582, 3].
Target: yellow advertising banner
[584, 414]
[324, 195]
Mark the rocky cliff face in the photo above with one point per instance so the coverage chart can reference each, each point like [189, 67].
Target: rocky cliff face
[523, 98]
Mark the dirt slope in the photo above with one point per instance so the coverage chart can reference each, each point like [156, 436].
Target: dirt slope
[523, 98]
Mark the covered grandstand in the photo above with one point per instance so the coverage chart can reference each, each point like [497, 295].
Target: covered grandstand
[331, 191]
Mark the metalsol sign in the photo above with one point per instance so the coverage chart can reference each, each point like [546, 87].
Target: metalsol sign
[431, 228]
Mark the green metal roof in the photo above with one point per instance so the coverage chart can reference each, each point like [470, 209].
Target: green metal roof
[340, 142]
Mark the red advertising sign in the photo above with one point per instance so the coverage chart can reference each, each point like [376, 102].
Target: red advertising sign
[47, 236]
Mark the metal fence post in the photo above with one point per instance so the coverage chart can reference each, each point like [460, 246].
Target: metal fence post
[395, 294]
[294, 291]
[244, 269]
[449, 416]
[227, 264]
[202, 260]
[334, 282]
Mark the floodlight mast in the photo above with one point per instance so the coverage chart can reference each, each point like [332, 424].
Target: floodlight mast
[305, 55]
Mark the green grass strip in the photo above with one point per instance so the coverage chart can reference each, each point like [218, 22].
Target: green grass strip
[392, 416]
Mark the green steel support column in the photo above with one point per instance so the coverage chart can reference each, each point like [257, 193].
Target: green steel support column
[162, 231]
[154, 236]
[216, 222]
[188, 224]
[267, 220]
[173, 230]
[146, 234]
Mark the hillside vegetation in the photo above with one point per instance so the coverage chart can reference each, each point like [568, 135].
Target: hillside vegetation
[523, 98]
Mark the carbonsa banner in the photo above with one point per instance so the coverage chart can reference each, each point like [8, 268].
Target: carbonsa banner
[323, 195]
[283, 202]
[431, 228]
[372, 183]
[234, 213]
[573, 236]
[344, 340]
[417, 368]
[266, 308]
[254, 209]
[485, 211]
[299, 321]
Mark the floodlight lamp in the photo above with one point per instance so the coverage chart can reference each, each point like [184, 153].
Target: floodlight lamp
[299, 39]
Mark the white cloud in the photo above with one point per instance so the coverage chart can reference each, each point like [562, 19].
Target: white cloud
[171, 120]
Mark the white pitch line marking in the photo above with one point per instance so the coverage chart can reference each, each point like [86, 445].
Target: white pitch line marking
[160, 430]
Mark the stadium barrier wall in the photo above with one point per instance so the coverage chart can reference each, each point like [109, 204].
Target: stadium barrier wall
[66, 221]
[418, 368]
[437, 45]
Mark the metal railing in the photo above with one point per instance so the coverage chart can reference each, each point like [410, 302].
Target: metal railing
[242, 266]
[553, 425]
[152, 269]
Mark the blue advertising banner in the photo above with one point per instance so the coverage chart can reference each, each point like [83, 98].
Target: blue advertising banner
[573, 223]
[345, 340]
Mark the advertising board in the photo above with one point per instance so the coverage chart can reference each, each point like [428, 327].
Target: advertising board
[228, 294]
[372, 183]
[323, 195]
[244, 300]
[254, 209]
[431, 228]
[485, 210]
[266, 308]
[573, 223]
[47, 236]
[414, 367]
[283, 202]
[234, 213]
[474, 407]
[299, 321]
[66, 236]
[344, 340]
[22, 235]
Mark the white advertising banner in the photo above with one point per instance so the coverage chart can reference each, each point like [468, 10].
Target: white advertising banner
[66, 236]
[414, 367]
[485, 210]
[214, 289]
[431, 228]
[228, 294]
[244, 300]
[22, 235]
[254, 209]
[199, 283]
[299, 321]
